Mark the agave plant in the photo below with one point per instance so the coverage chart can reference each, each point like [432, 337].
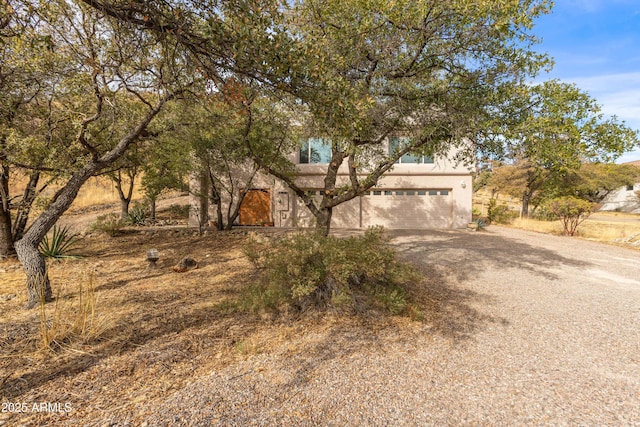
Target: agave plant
[60, 243]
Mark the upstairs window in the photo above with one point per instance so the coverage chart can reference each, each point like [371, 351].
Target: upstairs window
[394, 145]
[315, 150]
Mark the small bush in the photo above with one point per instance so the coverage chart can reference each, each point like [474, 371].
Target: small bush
[179, 211]
[59, 243]
[571, 211]
[475, 213]
[139, 214]
[110, 224]
[500, 214]
[308, 270]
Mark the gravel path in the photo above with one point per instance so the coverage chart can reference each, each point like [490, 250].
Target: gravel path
[530, 330]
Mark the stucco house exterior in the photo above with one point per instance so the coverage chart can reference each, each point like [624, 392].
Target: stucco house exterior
[624, 199]
[420, 192]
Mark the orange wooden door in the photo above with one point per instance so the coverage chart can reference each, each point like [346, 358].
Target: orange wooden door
[256, 208]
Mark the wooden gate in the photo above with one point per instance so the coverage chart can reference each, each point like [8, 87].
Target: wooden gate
[256, 208]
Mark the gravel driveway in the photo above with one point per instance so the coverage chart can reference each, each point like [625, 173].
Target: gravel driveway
[529, 329]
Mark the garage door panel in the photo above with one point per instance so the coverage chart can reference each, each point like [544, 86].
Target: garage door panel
[420, 208]
[345, 215]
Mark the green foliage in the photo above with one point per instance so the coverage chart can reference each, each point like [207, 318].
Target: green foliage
[593, 181]
[139, 214]
[499, 214]
[309, 270]
[110, 224]
[59, 243]
[571, 211]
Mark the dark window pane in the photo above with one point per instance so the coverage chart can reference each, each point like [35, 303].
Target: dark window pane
[304, 152]
[433, 192]
[444, 193]
[422, 193]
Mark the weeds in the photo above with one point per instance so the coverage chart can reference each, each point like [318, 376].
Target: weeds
[59, 244]
[110, 224]
[72, 320]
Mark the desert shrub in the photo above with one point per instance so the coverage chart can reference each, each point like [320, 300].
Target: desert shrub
[139, 214]
[308, 270]
[110, 224]
[475, 213]
[59, 243]
[500, 214]
[179, 211]
[571, 211]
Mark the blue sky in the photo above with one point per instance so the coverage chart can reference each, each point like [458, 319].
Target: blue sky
[596, 45]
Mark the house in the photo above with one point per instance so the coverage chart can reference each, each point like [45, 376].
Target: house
[624, 199]
[419, 192]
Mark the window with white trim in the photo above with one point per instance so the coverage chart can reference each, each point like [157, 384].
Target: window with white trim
[394, 145]
[315, 150]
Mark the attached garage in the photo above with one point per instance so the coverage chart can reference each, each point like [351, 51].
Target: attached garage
[414, 208]
[392, 208]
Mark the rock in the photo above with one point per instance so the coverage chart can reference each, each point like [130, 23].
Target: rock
[185, 265]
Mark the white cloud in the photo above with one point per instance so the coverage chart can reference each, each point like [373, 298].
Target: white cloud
[618, 94]
[592, 6]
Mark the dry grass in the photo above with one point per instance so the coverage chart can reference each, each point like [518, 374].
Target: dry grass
[122, 336]
[95, 192]
[602, 227]
[121, 332]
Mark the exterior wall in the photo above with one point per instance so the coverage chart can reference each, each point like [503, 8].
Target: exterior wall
[452, 210]
[622, 200]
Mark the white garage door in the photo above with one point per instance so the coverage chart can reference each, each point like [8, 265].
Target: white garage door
[421, 208]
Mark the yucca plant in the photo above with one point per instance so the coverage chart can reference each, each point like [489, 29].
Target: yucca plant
[138, 214]
[60, 243]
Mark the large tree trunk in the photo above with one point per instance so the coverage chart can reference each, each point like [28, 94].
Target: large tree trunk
[29, 196]
[323, 221]
[525, 205]
[124, 209]
[6, 238]
[38, 285]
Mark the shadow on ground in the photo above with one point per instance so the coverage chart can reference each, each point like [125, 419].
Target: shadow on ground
[466, 254]
[179, 324]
